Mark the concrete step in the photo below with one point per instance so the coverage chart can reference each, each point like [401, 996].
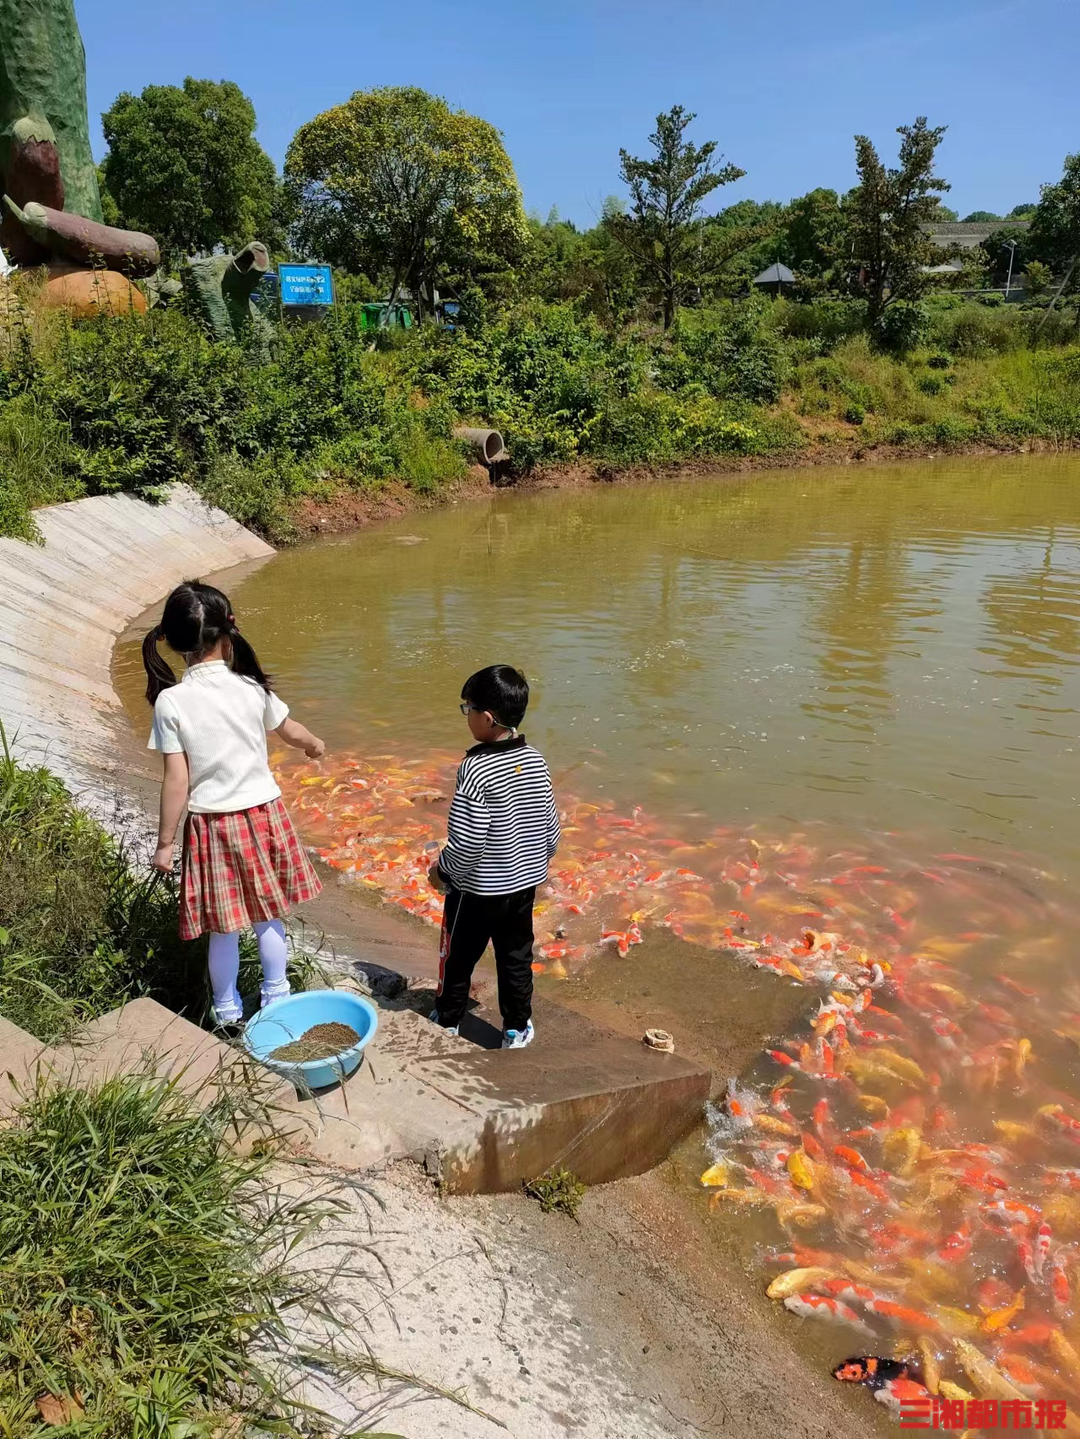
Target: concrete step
[483, 1120]
[20, 1057]
[145, 1037]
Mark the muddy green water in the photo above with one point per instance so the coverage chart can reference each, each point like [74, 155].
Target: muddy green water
[885, 649]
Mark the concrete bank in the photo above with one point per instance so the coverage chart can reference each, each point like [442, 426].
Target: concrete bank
[63, 604]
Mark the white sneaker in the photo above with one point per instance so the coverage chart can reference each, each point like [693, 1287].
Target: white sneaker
[447, 1028]
[518, 1038]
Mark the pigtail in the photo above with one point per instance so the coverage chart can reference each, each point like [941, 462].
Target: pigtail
[158, 674]
[246, 662]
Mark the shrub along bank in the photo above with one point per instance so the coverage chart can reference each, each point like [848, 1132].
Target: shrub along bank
[133, 404]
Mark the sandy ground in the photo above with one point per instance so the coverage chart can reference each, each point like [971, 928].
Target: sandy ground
[553, 1328]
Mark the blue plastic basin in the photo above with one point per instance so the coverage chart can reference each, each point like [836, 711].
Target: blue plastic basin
[287, 1019]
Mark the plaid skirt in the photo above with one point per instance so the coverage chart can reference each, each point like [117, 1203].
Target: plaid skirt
[240, 869]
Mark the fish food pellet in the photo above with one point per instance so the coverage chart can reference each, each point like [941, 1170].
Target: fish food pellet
[321, 1041]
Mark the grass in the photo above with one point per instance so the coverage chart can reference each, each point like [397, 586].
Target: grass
[156, 1284]
[142, 1263]
[557, 1192]
[83, 931]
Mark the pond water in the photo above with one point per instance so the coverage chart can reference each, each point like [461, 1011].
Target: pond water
[821, 721]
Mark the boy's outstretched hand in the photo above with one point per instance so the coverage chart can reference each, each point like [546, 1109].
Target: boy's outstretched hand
[436, 880]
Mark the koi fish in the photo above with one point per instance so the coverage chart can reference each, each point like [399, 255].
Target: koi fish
[795, 1281]
[819, 1306]
[957, 1245]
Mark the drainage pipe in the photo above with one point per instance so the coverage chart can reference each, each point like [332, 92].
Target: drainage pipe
[487, 444]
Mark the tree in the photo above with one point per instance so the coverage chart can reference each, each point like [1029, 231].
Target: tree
[981, 217]
[889, 214]
[1054, 237]
[1037, 279]
[395, 183]
[1022, 212]
[942, 215]
[184, 165]
[814, 239]
[662, 228]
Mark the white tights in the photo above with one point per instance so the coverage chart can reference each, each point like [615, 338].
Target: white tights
[225, 967]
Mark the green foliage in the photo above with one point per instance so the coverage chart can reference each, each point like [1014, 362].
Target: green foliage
[557, 1192]
[184, 165]
[134, 403]
[984, 217]
[1037, 279]
[901, 327]
[888, 215]
[666, 195]
[727, 352]
[396, 183]
[1054, 237]
[143, 1264]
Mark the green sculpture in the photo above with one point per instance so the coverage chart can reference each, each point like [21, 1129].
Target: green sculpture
[43, 86]
[220, 288]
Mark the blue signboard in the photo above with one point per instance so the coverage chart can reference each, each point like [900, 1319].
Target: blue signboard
[306, 285]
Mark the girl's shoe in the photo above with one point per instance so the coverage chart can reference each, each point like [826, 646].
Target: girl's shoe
[518, 1038]
[226, 1028]
[446, 1028]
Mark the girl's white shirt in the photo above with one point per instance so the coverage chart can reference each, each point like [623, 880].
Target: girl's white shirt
[220, 721]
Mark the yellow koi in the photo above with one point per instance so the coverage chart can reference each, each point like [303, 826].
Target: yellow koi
[801, 1170]
[931, 1365]
[797, 1281]
[987, 1378]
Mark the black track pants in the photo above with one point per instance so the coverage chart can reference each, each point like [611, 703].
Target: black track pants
[469, 922]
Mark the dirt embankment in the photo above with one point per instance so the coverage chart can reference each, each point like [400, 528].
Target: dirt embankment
[353, 510]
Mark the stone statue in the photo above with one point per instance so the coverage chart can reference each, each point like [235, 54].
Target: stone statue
[219, 290]
[52, 208]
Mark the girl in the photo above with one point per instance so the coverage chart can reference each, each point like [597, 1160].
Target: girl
[243, 866]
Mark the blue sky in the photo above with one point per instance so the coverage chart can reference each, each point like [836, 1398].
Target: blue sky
[782, 86]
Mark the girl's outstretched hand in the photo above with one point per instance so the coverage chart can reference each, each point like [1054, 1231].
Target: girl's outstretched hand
[163, 859]
[316, 749]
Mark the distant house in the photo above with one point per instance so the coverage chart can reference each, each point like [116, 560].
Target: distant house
[967, 235]
[774, 279]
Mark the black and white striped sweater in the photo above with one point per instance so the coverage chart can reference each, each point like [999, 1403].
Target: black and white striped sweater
[503, 826]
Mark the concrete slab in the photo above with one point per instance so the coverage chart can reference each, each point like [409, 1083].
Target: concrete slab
[580, 1097]
[20, 1056]
[144, 1035]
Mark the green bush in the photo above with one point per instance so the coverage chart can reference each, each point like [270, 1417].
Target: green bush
[903, 327]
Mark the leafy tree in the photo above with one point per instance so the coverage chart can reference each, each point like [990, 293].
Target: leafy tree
[739, 242]
[1054, 237]
[1037, 279]
[814, 236]
[889, 214]
[942, 215]
[396, 183]
[1022, 212]
[662, 228]
[984, 217]
[184, 164]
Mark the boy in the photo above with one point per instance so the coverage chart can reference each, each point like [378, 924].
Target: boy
[502, 831]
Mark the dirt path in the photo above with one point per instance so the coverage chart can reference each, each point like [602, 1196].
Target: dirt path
[554, 1328]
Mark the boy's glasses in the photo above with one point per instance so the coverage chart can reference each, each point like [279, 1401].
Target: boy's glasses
[467, 709]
